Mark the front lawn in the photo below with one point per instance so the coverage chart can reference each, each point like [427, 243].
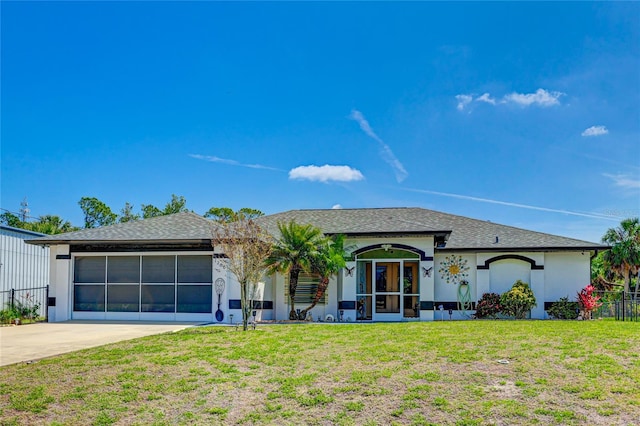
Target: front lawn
[558, 372]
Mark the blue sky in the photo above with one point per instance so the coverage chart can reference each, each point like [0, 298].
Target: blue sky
[526, 114]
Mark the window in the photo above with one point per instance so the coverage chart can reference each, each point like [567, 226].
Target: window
[306, 289]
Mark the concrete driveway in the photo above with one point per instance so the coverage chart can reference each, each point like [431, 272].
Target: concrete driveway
[35, 341]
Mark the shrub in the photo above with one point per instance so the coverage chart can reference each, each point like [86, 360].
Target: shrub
[588, 301]
[488, 306]
[8, 315]
[564, 309]
[518, 301]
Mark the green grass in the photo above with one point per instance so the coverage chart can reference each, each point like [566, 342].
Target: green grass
[559, 372]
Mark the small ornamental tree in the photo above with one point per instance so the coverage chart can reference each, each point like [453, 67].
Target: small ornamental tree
[245, 246]
[518, 301]
[588, 302]
[488, 306]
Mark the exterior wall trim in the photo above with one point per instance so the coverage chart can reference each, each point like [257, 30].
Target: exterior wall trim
[422, 253]
[488, 262]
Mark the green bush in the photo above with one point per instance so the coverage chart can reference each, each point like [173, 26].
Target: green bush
[488, 306]
[518, 301]
[8, 314]
[564, 309]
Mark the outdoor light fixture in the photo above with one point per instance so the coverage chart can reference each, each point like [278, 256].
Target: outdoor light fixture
[341, 315]
[386, 247]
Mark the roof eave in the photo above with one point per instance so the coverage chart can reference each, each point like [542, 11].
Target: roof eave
[391, 234]
[530, 249]
[138, 242]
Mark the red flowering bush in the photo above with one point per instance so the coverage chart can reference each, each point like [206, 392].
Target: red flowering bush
[488, 306]
[588, 302]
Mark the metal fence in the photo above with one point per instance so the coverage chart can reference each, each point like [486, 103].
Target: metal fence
[619, 305]
[29, 302]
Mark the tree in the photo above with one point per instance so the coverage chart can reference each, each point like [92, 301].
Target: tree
[226, 214]
[11, 219]
[149, 211]
[249, 213]
[293, 253]
[96, 213]
[624, 256]
[50, 224]
[221, 214]
[176, 205]
[329, 260]
[246, 247]
[127, 214]
[47, 224]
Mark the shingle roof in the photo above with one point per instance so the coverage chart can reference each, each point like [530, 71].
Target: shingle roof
[172, 228]
[465, 232]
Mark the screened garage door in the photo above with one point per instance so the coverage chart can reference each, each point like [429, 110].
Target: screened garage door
[162, 284]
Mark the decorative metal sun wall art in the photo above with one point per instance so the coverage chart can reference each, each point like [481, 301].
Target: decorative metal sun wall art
[453, 269]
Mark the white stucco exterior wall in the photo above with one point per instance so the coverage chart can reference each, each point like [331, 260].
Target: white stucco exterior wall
[449, 291]
[565, 274]
[61, 287]
[504, 273]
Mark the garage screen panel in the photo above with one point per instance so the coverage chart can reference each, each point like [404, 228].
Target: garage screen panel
[158, 284]
[194, 284]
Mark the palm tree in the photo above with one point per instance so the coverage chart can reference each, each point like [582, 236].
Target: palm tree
[624, 256]
[293, 253]
[327, 263]
[50, 224]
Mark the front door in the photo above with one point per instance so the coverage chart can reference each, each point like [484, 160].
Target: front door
[387, 291]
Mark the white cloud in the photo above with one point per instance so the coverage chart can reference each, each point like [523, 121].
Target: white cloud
[214, 159]
[385, 152]
[486, 98]
[541, 98]
[463, 101]
[326, 173]
[336, 207]
[624, 181]
[595, 131]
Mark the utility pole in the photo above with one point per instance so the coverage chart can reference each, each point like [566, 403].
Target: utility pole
[24, 210]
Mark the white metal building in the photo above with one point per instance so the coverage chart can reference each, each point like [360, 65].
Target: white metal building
[22, 266]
